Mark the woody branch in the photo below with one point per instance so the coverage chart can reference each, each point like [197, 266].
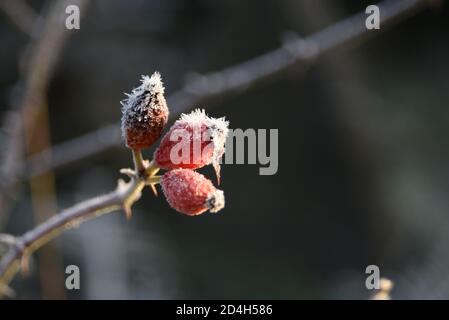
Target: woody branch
[123, 197]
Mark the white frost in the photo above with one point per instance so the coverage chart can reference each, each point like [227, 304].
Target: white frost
[218, 130]
[133, 107]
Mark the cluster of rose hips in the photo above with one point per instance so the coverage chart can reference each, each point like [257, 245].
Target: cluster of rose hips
[194, 141]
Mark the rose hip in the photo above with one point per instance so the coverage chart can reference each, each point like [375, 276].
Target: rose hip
[190, 192]
[145, 113]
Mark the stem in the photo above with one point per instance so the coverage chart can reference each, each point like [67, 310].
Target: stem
[31, 241]
[153, 180]
[125, 195]
[138, 160]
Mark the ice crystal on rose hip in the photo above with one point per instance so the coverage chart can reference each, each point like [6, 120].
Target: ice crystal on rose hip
[145, 113]
[194, 141]
[190, 192]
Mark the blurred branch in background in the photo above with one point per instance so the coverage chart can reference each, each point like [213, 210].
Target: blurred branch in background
[21, 14]
[44, 205]
[247, 75]
[29, 115]
[29, 96]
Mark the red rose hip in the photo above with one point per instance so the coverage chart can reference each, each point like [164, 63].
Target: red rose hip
[190, 192]
[194, 141]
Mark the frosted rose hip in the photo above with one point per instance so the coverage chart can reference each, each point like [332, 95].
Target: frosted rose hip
[190, 192]
[194, 141]
[145, 113]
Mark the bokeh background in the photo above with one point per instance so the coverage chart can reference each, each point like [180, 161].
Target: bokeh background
[363, 155]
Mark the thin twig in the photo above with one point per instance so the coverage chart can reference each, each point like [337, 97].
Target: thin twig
[125, 195]
[42, 56]
[235, 79]
[34, 239]
[21, 14]
[48, 37]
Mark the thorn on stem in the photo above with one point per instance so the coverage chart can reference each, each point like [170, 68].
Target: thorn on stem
[128, 212]
[153, 188]
[217, 170]
[151, 169]
[128, 172]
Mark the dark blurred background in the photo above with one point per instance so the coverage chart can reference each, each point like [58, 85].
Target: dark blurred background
[363, 156]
